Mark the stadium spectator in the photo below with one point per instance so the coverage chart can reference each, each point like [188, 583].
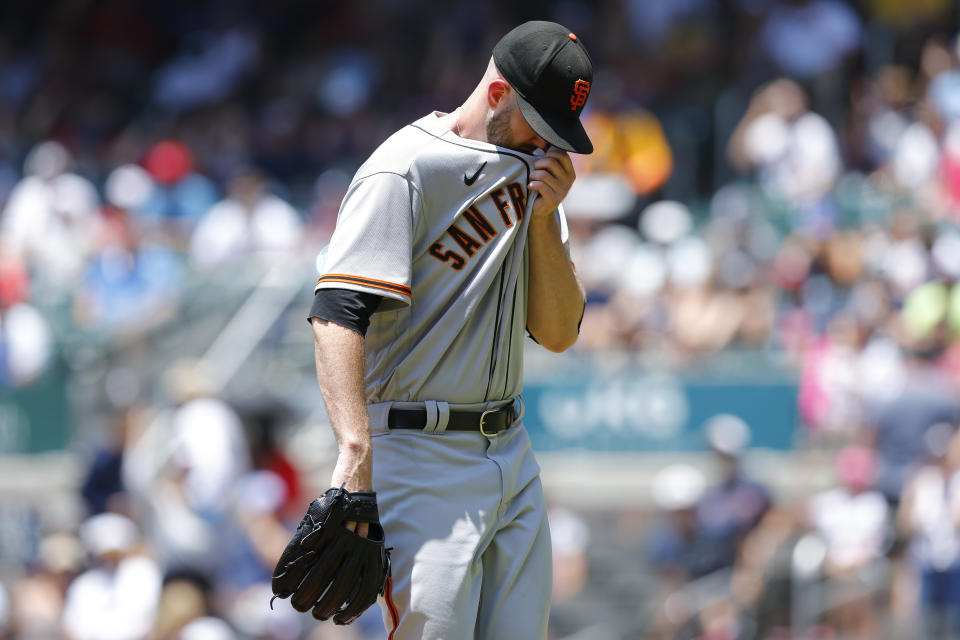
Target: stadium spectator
[570, 540]
[794, 153]
[677, 544]
[181, 472]
[852, 520]
[929, 516]
[180, 193]
[102, 488]
[732, 506]
[806, 38]
[26, 339]
[117, 597]
[50, 219]
[900, 424]
[249, 222]
[132, 284]
[37, 597]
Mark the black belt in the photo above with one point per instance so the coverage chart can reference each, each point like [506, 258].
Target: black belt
[490, 423]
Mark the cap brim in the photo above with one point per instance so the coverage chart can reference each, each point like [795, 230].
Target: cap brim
[560, 131]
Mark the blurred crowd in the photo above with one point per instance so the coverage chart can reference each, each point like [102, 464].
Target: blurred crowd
[723, 557]
[775, 176]
[174, 530]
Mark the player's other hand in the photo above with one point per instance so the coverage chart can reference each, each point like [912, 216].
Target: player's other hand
[353, 472]
[329, 571]
[551, 178]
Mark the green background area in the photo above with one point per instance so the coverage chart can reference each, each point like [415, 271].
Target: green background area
[37, 418]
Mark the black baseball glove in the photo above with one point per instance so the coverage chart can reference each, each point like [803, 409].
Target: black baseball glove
[330, 569]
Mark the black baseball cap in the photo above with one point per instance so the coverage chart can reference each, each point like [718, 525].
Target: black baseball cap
[551, 71]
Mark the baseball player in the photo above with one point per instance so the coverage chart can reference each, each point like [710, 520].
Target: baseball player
[449, 249]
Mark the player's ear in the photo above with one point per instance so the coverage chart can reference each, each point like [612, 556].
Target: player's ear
[496, 91]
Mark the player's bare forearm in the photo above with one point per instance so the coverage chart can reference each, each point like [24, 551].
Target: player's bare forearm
[340, 371]
[556, 297]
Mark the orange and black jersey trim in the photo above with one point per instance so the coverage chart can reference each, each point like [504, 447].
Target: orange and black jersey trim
[367, 282]
[391, 607]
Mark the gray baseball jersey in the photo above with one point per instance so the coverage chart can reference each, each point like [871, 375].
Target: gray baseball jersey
[435, 224]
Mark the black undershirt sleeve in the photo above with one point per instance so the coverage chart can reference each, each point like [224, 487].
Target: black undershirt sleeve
[347, 308]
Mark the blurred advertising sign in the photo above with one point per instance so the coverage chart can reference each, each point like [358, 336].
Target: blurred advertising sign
[637, 410]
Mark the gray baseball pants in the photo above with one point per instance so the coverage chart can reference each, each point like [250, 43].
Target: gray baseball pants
[466, 518]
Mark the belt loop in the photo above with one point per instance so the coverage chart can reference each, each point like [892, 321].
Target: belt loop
[431, 407]
[443, 417]
[378, 416]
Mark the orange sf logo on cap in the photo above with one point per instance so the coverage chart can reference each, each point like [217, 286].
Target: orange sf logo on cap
[581, 89]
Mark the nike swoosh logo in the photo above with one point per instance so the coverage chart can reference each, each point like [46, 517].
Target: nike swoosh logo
[469, 181]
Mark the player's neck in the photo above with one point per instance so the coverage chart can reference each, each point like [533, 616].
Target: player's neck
[470, 122]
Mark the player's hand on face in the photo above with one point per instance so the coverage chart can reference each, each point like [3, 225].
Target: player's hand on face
[551, 178]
